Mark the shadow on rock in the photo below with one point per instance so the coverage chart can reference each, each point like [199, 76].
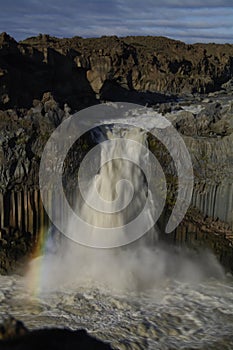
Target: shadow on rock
[15, 336]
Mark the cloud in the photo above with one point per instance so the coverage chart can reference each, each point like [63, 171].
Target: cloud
[186, 20]
[178, 3]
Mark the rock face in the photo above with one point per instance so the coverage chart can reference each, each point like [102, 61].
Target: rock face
[207, 129]
[199, 231]
[23, 135]
[213, 190]
[80, 71]
[12, 328]
[208, 135]
[27, 72]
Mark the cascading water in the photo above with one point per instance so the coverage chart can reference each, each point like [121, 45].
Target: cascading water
[118, 193]
[112, 199]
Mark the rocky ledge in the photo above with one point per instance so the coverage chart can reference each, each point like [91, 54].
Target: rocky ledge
[81, 71]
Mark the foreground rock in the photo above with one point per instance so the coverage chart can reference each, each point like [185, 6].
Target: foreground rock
[15, 336]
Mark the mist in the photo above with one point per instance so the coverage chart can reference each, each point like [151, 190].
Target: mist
[137, 267]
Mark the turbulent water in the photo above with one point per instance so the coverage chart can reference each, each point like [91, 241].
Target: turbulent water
[173, 315]
[141, 296]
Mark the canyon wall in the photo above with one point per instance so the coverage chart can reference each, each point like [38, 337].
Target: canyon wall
[146, 70]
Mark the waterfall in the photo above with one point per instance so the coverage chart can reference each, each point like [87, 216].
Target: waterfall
[117, 194]
[121, 194]
[110, 198]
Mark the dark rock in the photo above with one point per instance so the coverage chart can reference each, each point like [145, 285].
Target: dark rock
[15, 336]
[165, 108]
[6, 39]
[12, 328]
[203, 232]
[212, 111]
[78, 70]
[186, 123]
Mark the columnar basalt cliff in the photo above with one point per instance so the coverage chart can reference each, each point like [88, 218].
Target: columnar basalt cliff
[207, 129]
[82, 72]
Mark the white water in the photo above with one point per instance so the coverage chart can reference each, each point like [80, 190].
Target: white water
[117, 194]
[171, 315]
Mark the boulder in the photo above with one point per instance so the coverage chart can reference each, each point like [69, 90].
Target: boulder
[15, 336]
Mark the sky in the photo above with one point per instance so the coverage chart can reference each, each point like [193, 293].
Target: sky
[186, 20]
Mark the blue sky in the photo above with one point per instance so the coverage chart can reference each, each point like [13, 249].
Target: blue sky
[186, 20]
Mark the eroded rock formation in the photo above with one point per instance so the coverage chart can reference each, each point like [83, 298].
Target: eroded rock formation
[80, 71]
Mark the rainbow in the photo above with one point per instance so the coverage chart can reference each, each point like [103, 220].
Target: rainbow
[35, 271]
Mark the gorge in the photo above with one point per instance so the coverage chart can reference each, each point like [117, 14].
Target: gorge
[44, 80]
